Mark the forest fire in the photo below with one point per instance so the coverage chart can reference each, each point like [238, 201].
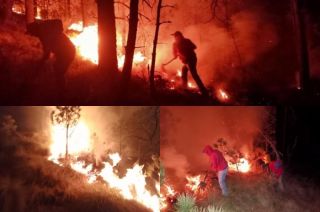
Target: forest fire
[131, 186]
[86, 42]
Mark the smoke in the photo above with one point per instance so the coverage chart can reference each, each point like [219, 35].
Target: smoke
[189, 129]
[174, 160]
[255, 32]
[108, 126]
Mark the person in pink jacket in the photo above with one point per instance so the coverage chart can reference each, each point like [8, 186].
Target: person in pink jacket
[276, 169]
[219, 165]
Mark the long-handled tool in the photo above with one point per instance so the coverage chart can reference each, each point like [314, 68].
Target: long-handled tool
[163, 69]
[173, 59]
[203, 184]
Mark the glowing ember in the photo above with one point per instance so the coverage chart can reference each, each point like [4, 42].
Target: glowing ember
[131, 186]
[179, 73]
[18, 8]
[191, 85]
[222, 95]
[193, 182]
[87, 44]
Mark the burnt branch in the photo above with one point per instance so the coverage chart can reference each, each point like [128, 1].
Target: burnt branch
[123, 4]
[147, 3]
[143, 16]
[128, 7]
[165, 22]
[168, 6]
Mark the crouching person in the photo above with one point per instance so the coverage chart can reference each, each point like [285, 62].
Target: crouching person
[219, 165]
[53, 40]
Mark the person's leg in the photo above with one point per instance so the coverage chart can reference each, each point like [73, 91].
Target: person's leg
[280, 182]
[222, 181]
[193, 69]
[184, 76]
[60, 68]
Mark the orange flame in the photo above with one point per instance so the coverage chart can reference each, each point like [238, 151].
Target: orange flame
[87, 42]
[179, 73]
[193, 182]
[222, 95]
[131, 186]
[242, 165]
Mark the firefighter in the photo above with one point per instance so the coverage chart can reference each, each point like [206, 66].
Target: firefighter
[276, 170]
[53, 40]
[183, 49]
[219, 165]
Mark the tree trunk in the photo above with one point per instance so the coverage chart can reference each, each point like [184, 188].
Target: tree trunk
[154, 51]
[68, 8]
[5, 10]
[67, 140]
[299, 13]
[131, 43]
[83, 13]
[107, 37]
[29, 11]
[35, 7]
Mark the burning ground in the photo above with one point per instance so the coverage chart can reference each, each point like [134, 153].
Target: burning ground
[241, 134]
[99, 176]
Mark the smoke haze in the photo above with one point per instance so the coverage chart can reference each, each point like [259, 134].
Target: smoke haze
[186, 130]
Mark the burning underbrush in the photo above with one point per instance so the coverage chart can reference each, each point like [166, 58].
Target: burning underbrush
[251, 185]
[248, 192]
[33, 181]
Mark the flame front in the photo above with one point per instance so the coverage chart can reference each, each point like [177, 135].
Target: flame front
[132, 186]
[87, 41]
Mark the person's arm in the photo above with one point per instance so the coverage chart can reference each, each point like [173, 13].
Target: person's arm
[175, 51]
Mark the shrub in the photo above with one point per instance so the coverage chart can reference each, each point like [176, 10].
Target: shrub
[185, 203]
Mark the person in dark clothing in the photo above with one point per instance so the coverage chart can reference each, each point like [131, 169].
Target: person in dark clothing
[276, 169]
[53, 40]
[184, 49]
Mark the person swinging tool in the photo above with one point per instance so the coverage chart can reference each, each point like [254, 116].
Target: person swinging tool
[183, 49]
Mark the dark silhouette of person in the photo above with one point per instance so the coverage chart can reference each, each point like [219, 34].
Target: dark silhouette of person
[184, 49]
[53, 40]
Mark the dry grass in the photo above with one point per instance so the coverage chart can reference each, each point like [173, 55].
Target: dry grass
[260, 193]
